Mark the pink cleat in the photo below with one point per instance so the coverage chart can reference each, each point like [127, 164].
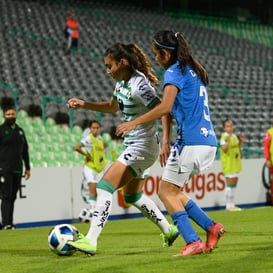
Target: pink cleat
[213, 235]
[194, 248]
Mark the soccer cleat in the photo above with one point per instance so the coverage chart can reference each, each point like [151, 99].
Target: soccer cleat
[214, 233]
[170, 237]
[234, 208]
[83, 245]
[194, 248]
[9, 227]
[80, 235]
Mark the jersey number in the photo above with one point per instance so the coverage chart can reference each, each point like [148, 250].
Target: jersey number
[203, 93]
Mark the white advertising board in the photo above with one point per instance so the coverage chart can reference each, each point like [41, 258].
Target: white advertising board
[53, 194]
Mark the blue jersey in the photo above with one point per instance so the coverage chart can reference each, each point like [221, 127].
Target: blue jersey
[191, 108]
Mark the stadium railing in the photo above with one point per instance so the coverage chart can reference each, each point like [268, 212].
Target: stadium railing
[33, 36]
[58, 100]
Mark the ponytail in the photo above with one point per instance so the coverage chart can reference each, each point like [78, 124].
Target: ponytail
[135, 56]
[179, 48]
[142, 63]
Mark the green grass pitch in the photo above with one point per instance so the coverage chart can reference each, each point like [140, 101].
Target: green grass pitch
[134, 246]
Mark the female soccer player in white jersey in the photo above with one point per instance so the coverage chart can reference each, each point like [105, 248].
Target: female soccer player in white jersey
[185, 97]
[133, 96]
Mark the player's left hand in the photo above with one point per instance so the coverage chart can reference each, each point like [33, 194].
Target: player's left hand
[27, 174]
[125, 128]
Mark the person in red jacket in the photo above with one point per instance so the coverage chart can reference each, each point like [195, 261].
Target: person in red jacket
[268, 154]
[71, 32]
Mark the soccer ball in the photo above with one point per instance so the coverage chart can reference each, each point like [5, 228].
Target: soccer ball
[58, 237]
[85, 215]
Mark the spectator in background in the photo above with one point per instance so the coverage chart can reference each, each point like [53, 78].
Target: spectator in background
[71, 33]
[230, 153]
[13, 152]
[92, 147]
[268, 154]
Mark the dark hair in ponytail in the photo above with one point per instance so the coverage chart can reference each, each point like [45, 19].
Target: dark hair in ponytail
[135, 57]
[179, 48]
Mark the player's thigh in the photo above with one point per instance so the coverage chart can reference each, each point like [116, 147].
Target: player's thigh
[196, 158]
[118, 174]
[140, 157]
[175, 177]
[134, 186]
[191, 161]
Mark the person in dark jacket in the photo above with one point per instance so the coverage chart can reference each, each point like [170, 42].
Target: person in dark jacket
[13, 152]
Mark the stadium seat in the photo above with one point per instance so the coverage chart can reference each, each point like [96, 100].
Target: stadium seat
[33, 61]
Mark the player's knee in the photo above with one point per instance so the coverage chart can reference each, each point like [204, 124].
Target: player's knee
[106, 186]
[161, 194]
[132, 198]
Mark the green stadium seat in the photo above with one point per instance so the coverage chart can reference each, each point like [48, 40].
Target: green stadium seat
[50, 122]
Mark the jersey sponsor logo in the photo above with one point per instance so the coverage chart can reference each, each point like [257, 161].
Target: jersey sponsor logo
[151, 213]
[104, 215]
[147, 95]
[204, 132]
[127, 156]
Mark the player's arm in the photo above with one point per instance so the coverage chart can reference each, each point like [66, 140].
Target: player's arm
[110, 106]
[166, 121]
[26, 159]
[241, 140]
[225, 143]
[80, 149]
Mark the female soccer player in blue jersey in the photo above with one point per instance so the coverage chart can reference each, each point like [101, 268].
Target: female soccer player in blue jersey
[185, 97]
[134, 95]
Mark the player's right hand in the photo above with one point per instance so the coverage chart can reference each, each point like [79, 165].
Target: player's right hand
[164, 154]
[75, 103]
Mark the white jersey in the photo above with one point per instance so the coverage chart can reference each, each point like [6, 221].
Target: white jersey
[135, 99]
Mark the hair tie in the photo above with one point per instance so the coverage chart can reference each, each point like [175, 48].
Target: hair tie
[164, 46]
[177, 34]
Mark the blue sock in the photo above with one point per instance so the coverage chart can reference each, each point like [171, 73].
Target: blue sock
[181, 220]
[198, 215]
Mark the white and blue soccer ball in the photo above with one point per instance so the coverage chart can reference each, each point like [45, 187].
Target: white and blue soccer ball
[85, 215]
[59, 236]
